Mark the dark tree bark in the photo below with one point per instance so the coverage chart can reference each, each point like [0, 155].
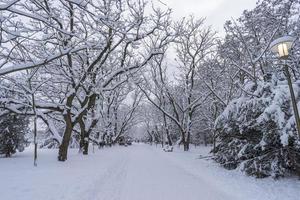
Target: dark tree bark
[63, 148]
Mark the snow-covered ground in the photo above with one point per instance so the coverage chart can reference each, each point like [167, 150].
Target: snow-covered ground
[138, 172]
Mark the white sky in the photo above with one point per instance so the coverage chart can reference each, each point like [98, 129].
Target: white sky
[215, 11]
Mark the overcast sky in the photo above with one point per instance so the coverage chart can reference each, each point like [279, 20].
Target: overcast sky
[215, 11]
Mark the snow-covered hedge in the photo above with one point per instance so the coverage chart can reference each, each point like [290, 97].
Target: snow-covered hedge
[257, 131]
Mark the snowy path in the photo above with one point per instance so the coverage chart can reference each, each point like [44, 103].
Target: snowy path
[138, 172]
[152, 176]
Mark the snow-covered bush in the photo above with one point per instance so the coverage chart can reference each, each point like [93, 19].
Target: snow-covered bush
[257, 131]
[13, 129]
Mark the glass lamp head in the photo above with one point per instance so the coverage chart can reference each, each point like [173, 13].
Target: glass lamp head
[282, 46]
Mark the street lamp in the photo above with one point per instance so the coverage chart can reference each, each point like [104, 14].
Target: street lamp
[282, 47]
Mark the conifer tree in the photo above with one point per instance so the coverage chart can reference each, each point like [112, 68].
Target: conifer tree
[13, 129]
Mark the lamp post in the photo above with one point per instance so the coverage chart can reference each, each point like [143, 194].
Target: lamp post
[281, 47]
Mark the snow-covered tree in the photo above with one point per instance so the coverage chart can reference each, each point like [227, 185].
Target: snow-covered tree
[13, 130]
[80, 50]
[179, 101]
[116, 114]
[257, 131]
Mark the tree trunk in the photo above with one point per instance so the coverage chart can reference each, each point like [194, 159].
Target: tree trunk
[185, 146]
[214, 142]
[169, 139]
[86, 146]
[86, 143]
[205, 139]
[81, 142]
[63, 148]
[186, 143]
[84, 138]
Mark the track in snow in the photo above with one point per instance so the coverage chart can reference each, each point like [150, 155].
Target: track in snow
[152, 176]
[137, 172]
[143, 172]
